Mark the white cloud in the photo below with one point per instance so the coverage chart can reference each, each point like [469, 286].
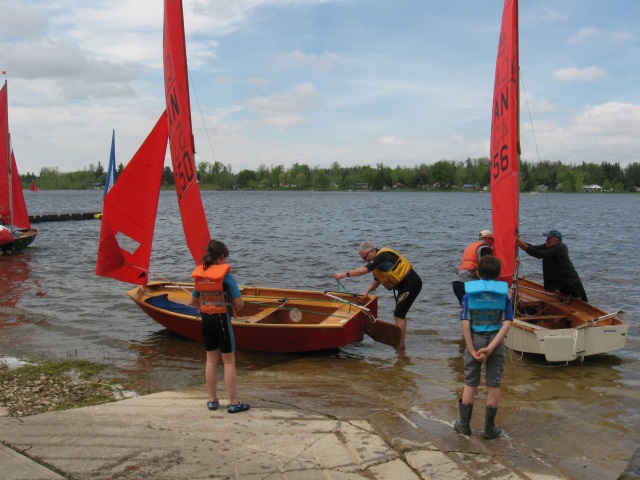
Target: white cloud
[583, 35]
[282, 109]
[606, 132]
[590, 33]
[20, 19]
[323, 63]
[587, 74]
[390, 140]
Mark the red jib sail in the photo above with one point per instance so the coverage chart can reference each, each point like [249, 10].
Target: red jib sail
[20, 213]
[129, 212]
[13, 209]
[181, 143]
[505, 148]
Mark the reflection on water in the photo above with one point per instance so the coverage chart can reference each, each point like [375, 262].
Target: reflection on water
[55, 306]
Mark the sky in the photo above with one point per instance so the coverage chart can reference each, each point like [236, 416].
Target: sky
[358, 82]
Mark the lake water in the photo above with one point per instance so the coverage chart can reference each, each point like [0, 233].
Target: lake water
[54, 306]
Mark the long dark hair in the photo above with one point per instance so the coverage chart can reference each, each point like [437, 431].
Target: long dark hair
[215, 250]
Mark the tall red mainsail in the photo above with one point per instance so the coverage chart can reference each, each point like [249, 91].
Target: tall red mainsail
[505, 146]
[129, 212]
[5, 155]
[181, 142]
[13, 209]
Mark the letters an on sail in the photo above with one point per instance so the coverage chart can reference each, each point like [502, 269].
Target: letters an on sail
[129, 212]
[181, 142]
[505, 148]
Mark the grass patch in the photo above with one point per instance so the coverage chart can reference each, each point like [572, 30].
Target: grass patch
[41, 387]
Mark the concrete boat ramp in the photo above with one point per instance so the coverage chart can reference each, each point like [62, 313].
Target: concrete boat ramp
[172, 435]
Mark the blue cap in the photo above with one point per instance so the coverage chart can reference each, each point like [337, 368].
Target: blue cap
[553, 233]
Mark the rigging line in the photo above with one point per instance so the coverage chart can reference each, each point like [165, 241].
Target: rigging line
[233, 223]
[535, 140]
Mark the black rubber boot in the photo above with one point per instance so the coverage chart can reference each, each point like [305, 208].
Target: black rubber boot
[462, 426]
[490, 430]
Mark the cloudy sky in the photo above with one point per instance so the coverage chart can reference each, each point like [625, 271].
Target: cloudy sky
[275, 82]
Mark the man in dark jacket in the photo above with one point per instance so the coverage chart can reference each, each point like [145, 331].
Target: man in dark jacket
[557, 270]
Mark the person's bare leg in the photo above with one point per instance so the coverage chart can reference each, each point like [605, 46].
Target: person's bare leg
[211, 374]
[229, 360]
[402, 323]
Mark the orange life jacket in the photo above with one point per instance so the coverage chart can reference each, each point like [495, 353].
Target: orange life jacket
[210, 284]
[470, 256]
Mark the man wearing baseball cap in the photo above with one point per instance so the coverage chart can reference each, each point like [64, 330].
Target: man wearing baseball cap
[558, 272]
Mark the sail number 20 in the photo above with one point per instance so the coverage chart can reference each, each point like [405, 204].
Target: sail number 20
[500, 161]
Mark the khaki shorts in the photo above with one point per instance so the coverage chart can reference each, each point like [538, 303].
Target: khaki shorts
[494, 364]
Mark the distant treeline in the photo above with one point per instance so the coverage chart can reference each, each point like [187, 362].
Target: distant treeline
[470, 174]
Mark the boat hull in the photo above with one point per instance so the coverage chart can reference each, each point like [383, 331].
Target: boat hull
[561, 328]
[23, 241]
[273, 320]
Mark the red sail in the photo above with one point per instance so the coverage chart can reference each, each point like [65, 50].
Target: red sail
[505, 148]
[33, 186]
[5, 203]
[20, 214]
[129, 212]
[13, 209]
[181, 144]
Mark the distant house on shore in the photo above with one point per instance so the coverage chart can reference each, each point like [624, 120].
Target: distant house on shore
[592, 188]
[469, 186]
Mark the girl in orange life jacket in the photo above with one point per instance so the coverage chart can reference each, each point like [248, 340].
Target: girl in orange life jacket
[215, 293]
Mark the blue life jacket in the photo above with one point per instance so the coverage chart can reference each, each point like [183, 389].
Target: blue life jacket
[487, 303]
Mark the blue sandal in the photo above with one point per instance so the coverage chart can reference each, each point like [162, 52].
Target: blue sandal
[238, 407]
[213, 405]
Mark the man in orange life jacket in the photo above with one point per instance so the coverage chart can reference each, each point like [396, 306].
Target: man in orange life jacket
[468, 269]
[217, 295]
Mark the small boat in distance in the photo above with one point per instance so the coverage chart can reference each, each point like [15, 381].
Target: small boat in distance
[33, 186]
[112, 174]
[560, 328]
[13, 209]
[273, 319]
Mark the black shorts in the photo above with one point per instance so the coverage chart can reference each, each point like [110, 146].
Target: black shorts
[407, 293]
[217, 333]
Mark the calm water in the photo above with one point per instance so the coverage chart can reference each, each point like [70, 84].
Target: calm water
[54, 306]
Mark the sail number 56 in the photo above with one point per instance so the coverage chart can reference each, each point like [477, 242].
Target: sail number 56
[500, 162]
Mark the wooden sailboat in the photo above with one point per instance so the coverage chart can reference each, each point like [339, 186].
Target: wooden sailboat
[558, 327]
[13, 209]
[273, 319]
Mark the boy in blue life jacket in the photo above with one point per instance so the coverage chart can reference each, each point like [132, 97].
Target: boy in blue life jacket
[486, 315]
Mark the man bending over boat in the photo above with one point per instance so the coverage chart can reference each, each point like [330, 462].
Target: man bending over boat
[395, 273]
[557, 270]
